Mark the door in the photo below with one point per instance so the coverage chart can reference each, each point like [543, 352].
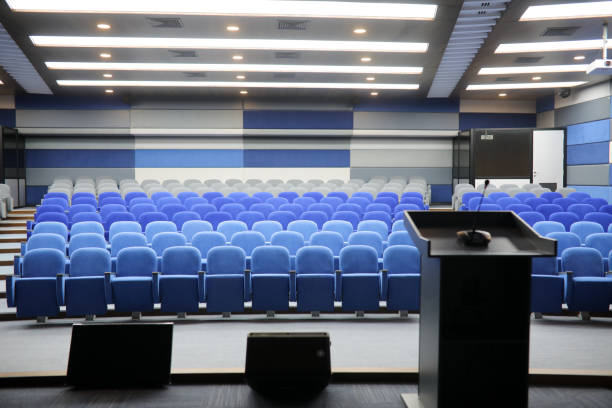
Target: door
[548, 157]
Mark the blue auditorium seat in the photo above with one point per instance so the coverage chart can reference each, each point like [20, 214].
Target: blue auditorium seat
[389, 194]
[56, 201]
[318, 217]
[466, 197]
[564, 240]
[349, 207]
[181, 217]
[565, 218]
[603, 219]
[518, 208]
[108, 194]
[140, 200]
[270, 278]
[505, 202]
[546, 227]
[190, 228]
[294, 208]
[108, 209]
[400, 208]
[360, 278]
[237, 196]
[595, 202]
[315, 195]
[263, 208]
[203, 209]
[160, 195]
[547, 287]
[133, 194]
[578, 196]
[267, 228]
[230, 227]
[211, 195]
[587, 289]
[585, 228]
[325, 208]
[531, 217]
[180, 289]
[204, 241]
[380, 216]
[57, 194]
[333, 201]
[146, 218]
[304, 227]
[45, 240]
[389, 201]
[131, 287]
[221, 201]
[277, 202]
[315, 279]
[305, 202]
[225, 279]
[82, 194]
[163, 240]
[411, 200]
[401, 277]
[379, 207]
[369, 238]
[283, 217]
[171, 209]
[380, 227]
[217, 217]
[339, 194]
[548, 209]
[360, 201]
[52, 227]
[191, 201]
[233, 208]
[602, 242]
[364, 194]
[48, 208]
[398, 226]
[155, 227]
[550, 196]
[524, 196]
[263, 196]
[81, 217]
[184, 195]
[248, 241]
[344, 228]
[535, 202]
[84, 292]
[139, 209]
[116, 217]
[289, 195]
[52, 216]
[250, 217]
[92, 201]
[495, 196]
[291, 240]
[86, 240]
[606, 208]
[474, 202]
[109, 200]
[564, 202]
[413, 194]
[400, 238]
[249, 201]
[85, 227]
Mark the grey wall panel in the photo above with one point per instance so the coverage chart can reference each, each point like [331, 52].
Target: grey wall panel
[184, 103]
[44, 177]
[401, 158]
[186, 119]
[77, 142]
[545, 119]
[405, 120]
[73, 118]
[593, 175]
[316, 105]
[583, 112]
[303, 143]
[433, 175]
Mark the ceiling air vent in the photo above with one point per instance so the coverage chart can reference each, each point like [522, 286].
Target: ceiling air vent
[165, 22]
[286, 55]
[527, 60]
[183, 53]
[560, 31]
[195, 74]
[284, 75]
[299, 25]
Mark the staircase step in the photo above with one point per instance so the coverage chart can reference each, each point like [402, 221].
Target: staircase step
[20, 217]
[12, 238]
[12, 224]
[10, 248]
[12, 230]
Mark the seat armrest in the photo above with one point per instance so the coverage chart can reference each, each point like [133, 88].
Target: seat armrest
[384, 284]
[108, 289]
[156, 287]
[10, 289]
[17, 265]
[60, 280]
[201, 286]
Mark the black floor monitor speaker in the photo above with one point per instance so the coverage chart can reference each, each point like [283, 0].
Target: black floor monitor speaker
[120, 355]
[288, 364]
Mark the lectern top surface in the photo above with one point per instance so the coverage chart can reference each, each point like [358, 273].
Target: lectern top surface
[510, 236]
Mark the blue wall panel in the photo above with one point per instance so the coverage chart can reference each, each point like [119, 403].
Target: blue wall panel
[7, 117]
[589, 132]
[291, 119]
[590, 153]
[496, 120]
[297, 158]
[441, 193]
[436, 105]
[34, 194]
[56, 158]
[161, 158]
[596, 191]
[28, 101]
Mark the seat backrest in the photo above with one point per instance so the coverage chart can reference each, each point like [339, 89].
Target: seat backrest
[181, 217]
[350, 207]
[90, 262]
[339, 194]
[582, 262]
[548, 209]
[53, 216]
[304, 227]
[289, 195]
[263, 196]
[603, 219]
[136, 261]
[531, 217]
[146, 218]
[164, 240]
[125, 240]
[190, 228]
[86, 240]
[140, 200]
[585, 228]
[412, 200]
[184, 195]
[536, 202]
[363, 202]
[315, 195]
[248, 240]
[52, 227]
[294, 208]
[86, 227]
[267, 228]
[171, 209]
[519, 208]
[81, 217]
[156, 227]
[191, 201]
[226, 260]
[217, 217]
[333, 201]
[92, 201]
[181, 260]
[329, 239]
[314, 260]
[277, 201]
[271, 259]
[203, 209]
[289, 239]
[400, 238]
[121, 226]
[381, 216]
[318, 217]
[565, 218]
[369, 238]
[139, 209]
[250, 217]
[564, 240]
[550, 196]
[221, 201]
[379, 207]
[205, 240]
[402, 259]
[229, 228]
[305, 202]
[385, 200]
[380, 227]
[263, 208]
[283, 217]
[56, 201]
[106, 210]
[546, 227]
[601, 242]
[343, 227]
[363, 194]
[578, 196]
[233, 208]
[43, 263]
[46, 240]
[581, 209]
[564, 202]
[358, 259]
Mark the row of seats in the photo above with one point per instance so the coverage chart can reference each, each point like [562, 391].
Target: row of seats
[511, 190]
[225, 286]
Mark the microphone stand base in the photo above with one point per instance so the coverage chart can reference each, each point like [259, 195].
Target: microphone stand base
[475, 238]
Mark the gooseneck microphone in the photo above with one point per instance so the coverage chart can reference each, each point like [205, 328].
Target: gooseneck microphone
[473, 237]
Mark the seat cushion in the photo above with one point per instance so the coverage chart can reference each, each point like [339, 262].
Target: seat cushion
[36, 297]
[315, 292]
[403, 292]
[270, 292]
[84, 295]
[360, 292]
[179, 293]
[133, 294]
[224, 293]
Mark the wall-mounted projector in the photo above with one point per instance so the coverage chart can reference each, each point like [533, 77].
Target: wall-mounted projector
[600, 67]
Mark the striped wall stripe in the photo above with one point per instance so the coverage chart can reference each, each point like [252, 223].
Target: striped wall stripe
[589, 175]
[589, 132]
[589, 111]
[297, 119]
[496, 120]
[591, 153]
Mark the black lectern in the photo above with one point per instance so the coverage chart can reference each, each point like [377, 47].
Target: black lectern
[475, 309]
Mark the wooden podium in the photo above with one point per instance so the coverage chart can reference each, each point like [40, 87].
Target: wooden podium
[475, 309]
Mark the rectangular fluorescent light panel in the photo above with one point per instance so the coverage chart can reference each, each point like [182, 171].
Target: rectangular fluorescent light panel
[550, 46]
[568, 11]
[528, 85]
[227, 44]
[542, 69]
[168, 67]
[247, 8]
[245, 85]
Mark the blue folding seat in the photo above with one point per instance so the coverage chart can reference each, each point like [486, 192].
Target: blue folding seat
[400, 208]
[211, 195]
[217, 217]
[400, 238]
[139, 209]
[233, 208]
[270, 278]
[531, 217]
[304, 227]
[180, 288]
[388, 194]
[401, 278]
[380, 227]
[56, 201]
[263, 196]
[505, 202]
[535, 202]
[564, 240]
[305, 202]
[603, 243]
[249, 201]
[224, 280]
[315, 279]
[106, 210]
[398, 226]
[411, 194]
[35, 291]
[277, 202]
[163, 240]
[289, 195]
[360, 278]
[81, 217]
[564, 202]
[524, 196]
[110, 200]
[350, 207]
[191, 201]
[360, 201]
[267, 228]
[379, 215]
[344, 228]
[586, 287]
[181, 217]
[237, 196]
[585, 228]
[190, 228]
[339, 194]
[204, 241]
[78, 195]
[414, 201]
[248, 241]
[604, 219]
[160, 195]
[52, 227]
[48, 208]
[116, 217]
[363, 194]
[230, 227]
[369, 238]
[45, 240]
[203, 209]
[332, 240]
[184, 195]
[476, 201]
[565, 218]
[606, 208]
[108, 194]
[519, 208]
[132, 195]
[350, 216]
[294, 208]
[125, 240]
[550, 196]
[57, 195]
[495, 196]
[221, 201]
[326, 208]
[131, 287]
[250, 217]
[581, 209]
[315, 195]
[156, 227]
[149, 217]
[283, 217]
[379, 207]
[121, 226]
[263, 208]
[578, 196]
[140, 200]
[389, 201]
[92, 201]
[466, 197]
[333, 201]
[86, 240]
[84, 293]
[318, 217]
[547, 287]
[595, 202]
[171, 209]
[548, 209]
[87, 227]
[291, 240]
[53, 216]
[545, 227]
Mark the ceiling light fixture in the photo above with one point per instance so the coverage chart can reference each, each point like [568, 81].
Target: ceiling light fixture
[370, 78]
[232, 28]
[244, 92]
[1, 83]
[536, 78]
[579, 57]
[237, 57]
[360, 31]
[109, 91]
[104, 26]
[374, 93]
[530, 85]
[225, 84]
[107, 75]
[550, 46]
[249, 8]
[228, 44]
[366, 59]
[153, 66]
[568, 11]
[105, 55]
[534, 69]
[503, 94]
[240, 77]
